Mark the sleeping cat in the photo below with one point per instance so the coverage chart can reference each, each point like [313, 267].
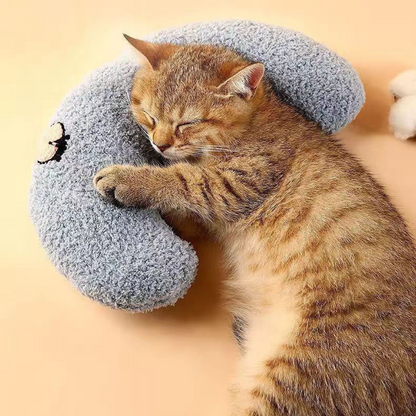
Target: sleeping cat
[323, 267]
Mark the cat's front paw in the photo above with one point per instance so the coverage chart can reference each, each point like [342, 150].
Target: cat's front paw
[120, 184]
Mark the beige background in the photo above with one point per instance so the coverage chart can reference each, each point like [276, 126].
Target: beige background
[61, 354]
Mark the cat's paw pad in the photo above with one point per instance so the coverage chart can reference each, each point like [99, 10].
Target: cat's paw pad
[116, 184]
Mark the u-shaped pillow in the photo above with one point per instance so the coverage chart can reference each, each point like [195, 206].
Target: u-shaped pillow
[129, 258]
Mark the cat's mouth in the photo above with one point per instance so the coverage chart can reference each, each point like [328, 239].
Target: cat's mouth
[174, 153]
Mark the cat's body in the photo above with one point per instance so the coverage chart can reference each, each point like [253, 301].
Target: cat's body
[322, 265]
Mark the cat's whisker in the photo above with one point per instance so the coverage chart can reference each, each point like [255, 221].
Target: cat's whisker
[215, 148]
[206, 152]
[128, 96]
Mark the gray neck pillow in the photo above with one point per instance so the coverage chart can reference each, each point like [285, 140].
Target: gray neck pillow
[129, 258]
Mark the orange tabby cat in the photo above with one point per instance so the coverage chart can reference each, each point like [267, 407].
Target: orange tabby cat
[323, 267]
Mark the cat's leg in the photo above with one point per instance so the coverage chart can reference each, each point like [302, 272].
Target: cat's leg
[215, 195]
[171, 189]
[271, 379]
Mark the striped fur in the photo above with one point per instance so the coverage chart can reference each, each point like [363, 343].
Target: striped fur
[322, 265]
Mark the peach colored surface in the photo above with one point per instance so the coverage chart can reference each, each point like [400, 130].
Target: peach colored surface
[60, 353]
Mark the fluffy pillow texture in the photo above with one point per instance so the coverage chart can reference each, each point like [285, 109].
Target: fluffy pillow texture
[129, 258]
[402, 116]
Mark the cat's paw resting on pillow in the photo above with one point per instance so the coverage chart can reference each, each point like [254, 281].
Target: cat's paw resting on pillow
[123, 185]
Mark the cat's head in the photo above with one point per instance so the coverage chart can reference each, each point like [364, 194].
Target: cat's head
[193, 100]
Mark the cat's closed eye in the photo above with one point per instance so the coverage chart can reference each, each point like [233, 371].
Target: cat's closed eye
[151, 120]
[183, 126]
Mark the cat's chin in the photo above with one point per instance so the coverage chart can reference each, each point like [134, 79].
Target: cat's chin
[180, 157]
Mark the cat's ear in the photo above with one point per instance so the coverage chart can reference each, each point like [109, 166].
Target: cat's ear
[244, 83]
[151, 54]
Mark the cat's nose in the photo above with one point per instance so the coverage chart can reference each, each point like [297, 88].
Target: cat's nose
[163, 147]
